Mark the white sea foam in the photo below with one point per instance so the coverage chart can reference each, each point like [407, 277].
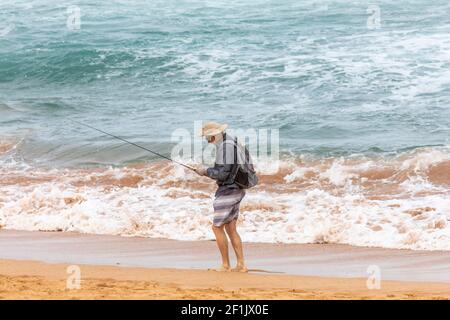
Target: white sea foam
[335, 207]
[298, 173]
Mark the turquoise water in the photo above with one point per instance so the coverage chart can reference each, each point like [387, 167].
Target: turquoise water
[142, 69]
[362, 111]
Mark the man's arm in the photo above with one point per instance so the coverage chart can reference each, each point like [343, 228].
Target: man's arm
[222, 169]
[219, 172]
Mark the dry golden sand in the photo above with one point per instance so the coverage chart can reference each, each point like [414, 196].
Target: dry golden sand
[36, 280]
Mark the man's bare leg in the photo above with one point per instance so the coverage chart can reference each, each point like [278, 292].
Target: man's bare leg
[222, 243]
[237, 246]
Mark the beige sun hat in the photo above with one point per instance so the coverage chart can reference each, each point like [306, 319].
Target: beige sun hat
[212, 128]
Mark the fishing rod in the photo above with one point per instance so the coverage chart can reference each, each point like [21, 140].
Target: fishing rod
[134, 144]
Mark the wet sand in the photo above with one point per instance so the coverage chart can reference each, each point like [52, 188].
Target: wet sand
[37, 280]
[296, 259]
[33, 265]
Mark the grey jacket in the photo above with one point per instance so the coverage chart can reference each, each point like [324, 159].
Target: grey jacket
[224, 164]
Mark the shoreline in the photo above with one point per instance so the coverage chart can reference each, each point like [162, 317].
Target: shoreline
[323, 260]
[38, 280]
[40, 265]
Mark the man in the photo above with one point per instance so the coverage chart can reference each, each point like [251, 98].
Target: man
[228, 195]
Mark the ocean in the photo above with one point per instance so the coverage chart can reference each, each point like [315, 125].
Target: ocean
[359, 92]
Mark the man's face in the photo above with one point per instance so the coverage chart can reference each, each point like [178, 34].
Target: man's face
[213, 139]
[210, 139]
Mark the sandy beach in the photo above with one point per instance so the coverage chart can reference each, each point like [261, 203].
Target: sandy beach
[34, 265]
[36, 280]
[141, 140]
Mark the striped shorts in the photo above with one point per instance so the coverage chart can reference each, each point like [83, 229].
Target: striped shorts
[226, 204]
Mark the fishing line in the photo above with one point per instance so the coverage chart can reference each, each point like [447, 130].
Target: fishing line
[134, 144]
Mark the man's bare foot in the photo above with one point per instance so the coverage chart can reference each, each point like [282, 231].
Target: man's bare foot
[240, 269]
[221, 269]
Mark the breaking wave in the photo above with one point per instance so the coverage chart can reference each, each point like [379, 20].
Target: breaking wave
[399, 201]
